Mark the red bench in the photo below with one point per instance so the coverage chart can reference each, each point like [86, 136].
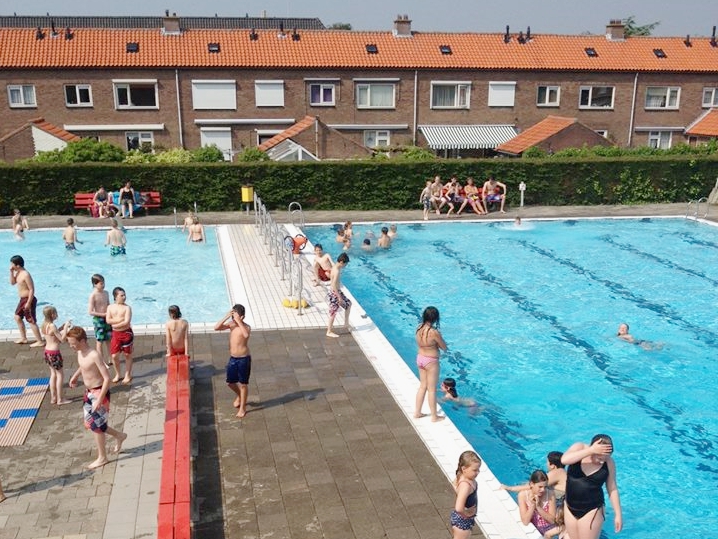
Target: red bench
[174, 515]
[148, 199]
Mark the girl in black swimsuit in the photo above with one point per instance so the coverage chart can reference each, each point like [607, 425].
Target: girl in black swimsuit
[590, 466]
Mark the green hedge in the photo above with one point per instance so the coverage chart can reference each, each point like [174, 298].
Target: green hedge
[362, 185]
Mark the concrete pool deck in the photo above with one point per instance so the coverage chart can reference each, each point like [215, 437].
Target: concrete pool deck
[326, 451]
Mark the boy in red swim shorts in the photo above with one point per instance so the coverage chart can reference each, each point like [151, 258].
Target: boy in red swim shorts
[119, 316]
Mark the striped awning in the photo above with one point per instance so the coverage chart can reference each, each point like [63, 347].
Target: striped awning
[466, 137]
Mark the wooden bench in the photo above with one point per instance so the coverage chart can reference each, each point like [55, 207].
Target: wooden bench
[148, 200]
[174, 514]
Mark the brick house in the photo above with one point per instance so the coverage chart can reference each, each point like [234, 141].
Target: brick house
[175, 82]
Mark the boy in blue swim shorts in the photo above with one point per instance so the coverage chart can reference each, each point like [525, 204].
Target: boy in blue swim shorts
[239, 365]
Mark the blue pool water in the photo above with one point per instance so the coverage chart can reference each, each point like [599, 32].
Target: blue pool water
[159, 269]
[530, 315]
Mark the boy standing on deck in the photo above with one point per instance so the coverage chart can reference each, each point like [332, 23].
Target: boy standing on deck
[96, 405]
[119, 316]
[97, 309]
[240, 360]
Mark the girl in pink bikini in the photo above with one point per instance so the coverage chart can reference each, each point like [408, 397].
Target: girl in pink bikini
[429, 341]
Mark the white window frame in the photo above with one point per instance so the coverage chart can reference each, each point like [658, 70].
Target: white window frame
[322, 87]
[205, 139]
[22, 91]
[502, 93]
[547, 101]
[602, 132]
[462, 94]
[712, 95]
[657, 139]
[382, 138]
[365, 89]
[78, 88]
[664, 93]
[142, 136]
[269, 93]
[127, 86]
[590, 90]
[214, 95]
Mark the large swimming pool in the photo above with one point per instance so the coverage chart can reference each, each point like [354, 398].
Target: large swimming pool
[530, 314]
[160, 269]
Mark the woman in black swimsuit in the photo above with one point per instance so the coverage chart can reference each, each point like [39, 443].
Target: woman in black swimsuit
[127, 198]
[590, 466]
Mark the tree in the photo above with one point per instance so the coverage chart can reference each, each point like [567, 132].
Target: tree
[631, 29]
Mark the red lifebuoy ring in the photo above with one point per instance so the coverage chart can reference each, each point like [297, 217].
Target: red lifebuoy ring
[299, 242]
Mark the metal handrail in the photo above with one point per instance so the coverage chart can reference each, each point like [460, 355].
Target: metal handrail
[698, 203]
[295, 208]
[274, 238]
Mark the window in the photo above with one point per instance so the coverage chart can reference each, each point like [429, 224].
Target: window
[21, 95]
[269, 93]
[78, 95]
[450, 95]
[214, 95]
[659, 139]
[596, 97]
[140, 140]
[220, 137]
[710, 97]
[602, 132]
[501, 94]
[136, 94]
[375, 139]
[375, 95]
[548, 96]
[662, 97]
[321, 95]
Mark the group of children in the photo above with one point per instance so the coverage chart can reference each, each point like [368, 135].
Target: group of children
[453, 195]
[345, 235]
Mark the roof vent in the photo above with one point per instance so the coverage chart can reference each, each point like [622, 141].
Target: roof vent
[39, 34]
[53, 30]
[68, 34]
[171, 25]
[213, 47]
[714, 43]
[591, 52]
[253, 36]
[507, 35]
[132, 47]
[295, 35]
[660, 53]
[687, 41]
[372, 49]
[445, 49]
[520, 38]
[528, 33]
[281, 33]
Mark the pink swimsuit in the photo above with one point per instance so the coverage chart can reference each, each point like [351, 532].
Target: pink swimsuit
[423, 361]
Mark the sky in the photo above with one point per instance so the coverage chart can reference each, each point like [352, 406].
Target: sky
[676, 17]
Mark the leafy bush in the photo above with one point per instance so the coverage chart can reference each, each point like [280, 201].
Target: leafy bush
[249, 155]
[207, 154]
[86, 150]
[174, 155]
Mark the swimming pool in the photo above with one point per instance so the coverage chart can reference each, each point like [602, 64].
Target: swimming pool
[530, 315]
[160, 269]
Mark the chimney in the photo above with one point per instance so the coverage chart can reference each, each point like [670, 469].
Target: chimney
[402, 26]
[615, 30]
[171, 25]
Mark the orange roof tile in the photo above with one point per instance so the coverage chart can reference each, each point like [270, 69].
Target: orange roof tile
[105, 48]
[706, 125]
[54, 130]
[536, 134]
[292, 131]
[40, 123]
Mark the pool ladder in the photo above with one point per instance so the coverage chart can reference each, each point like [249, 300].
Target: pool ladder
[295, 210]
[696, 205]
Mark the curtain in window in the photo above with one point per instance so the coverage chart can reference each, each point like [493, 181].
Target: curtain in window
[444, 96]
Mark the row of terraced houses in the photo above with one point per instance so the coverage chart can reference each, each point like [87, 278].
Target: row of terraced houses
[301, 91]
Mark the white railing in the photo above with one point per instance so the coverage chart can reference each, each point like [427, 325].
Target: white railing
[280, 245]
[696, 205]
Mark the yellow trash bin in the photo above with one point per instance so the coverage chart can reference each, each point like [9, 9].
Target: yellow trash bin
[247, 194]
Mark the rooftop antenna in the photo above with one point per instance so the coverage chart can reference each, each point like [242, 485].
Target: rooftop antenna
[507, 36]
[687, 41]
[53, 31]
[528, 33]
